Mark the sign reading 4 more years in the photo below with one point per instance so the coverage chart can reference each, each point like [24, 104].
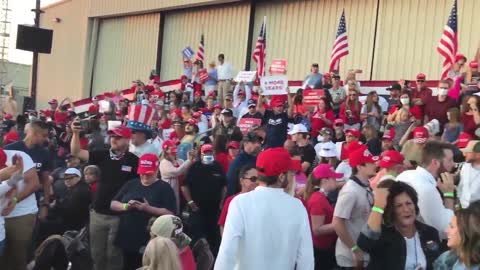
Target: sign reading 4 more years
[274, 85]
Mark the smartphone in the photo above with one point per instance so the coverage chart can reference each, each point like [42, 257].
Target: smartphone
[14, 159]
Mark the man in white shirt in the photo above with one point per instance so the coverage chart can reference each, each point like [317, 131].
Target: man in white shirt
[437, 162]
[225, 75]
[469, 187]
[267, 228]
[20, 213]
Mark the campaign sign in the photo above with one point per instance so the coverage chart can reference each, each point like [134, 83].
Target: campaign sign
[274, 85]
[278, 66]
[245, 124]
[203, 75]
[187, 53]
[311, 97]
[246, 76]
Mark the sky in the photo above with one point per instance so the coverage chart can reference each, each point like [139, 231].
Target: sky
[21, 14]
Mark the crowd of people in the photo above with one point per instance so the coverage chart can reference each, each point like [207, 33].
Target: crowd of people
[172, 180]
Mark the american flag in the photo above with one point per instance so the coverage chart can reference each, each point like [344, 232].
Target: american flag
[201, 50]
[340, 46]
[259, 54]
[449, 42]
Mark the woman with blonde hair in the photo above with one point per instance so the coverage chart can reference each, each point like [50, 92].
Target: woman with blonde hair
[161, 254]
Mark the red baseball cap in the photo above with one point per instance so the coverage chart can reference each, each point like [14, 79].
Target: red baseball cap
[148, 164]
[354, 132]
[198, 93]
[463, 139]
[459, 57]
[338, 121]
[274, 161]
[421, 77]
[197, 115]
[10, 137]
[325, 171]
[390, 158]
[217, 106]
[389, 134]
[119, 113]
[121, 131]
[53, 101]
[420, 135]
[361, 156]
[234, 145]
[7, 116]
[473, 64]
[192, 122]
[3, 158]
[206, 148]
[241, 93]
[276, 102]
[168, 144]
[327, 75]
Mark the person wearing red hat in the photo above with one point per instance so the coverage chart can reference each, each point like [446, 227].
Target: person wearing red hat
[257, 222]
[456, 69]
[241, 95]
[10, 137]
[204, 190]
[276, 120]
[320, 183]
[233, 149]
[387, 140]
[198, 101]
[60, 115]
[412, 149]
[351, 135]
[191, 138]
[117, 166]
[353, 206]
[391, 165]
[431, 176]
[421, 93]
[94, 108]
[139, 201]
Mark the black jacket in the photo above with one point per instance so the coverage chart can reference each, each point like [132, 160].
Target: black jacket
[388, 249]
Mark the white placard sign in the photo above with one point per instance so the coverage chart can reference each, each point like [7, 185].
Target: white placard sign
[274, 85]
[111, 124]
[246, 76]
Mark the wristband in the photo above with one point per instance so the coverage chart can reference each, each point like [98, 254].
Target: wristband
[355, 248]
[378, 210]
[449, 195]
[190, 202]
[125, 206]
[15, 199]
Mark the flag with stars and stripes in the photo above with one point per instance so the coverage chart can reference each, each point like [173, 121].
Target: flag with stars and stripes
[340, 46]
[448, 44]
[201, 50]
[259, 54]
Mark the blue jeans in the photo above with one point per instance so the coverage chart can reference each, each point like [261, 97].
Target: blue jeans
[2, 246]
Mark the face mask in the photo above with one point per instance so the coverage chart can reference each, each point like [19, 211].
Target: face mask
[207, 159]
[103, 127]
[443, 92]
[32, 118]
[405, 101]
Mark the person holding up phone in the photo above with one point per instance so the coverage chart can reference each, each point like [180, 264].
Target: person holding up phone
[140, 200]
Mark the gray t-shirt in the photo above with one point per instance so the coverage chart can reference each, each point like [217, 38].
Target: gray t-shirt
[353, 204]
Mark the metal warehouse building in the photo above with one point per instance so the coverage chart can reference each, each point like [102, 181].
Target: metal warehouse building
[102, 45]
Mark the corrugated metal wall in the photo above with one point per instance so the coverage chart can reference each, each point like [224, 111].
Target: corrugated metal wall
[409, 31]
[121, 7]
[303, 32]
[225, 30]
[126, 51]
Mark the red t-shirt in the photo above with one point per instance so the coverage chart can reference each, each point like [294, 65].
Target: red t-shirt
[318, 123]
[318, 205]
[354, 109]
[166, 124]
[61, 117]
[93, 109]
[224, 161]
[223, 215]
[187, 260]
[157, 94]
[469, 125]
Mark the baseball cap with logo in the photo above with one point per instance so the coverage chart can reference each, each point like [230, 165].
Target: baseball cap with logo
[274, 161]
[389, 134]
[390, 158]
[421, 77]
[353, 132]
[53, 101]
[170, 226]
[233, 145]
[121, 131]
[298, 128]
[327, 149]
[148, 164]
[206, 148]
[73, 171]
[472, 147]
[227, 112]
[251, 103]
[420, 135]
[338, 122]
[394, 86]
[361, 156]
[463, 139]
[325, 171]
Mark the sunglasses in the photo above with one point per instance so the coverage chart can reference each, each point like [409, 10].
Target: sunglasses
[253, 178]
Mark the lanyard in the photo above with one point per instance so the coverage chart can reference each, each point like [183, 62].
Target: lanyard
[366, 187]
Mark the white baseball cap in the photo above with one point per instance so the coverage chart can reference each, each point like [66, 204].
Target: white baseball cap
[73, 171]
[298, 128]
[327, 149]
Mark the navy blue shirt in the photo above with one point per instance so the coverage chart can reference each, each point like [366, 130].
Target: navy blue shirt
[39, 154]
[277, 126]
[232, 177]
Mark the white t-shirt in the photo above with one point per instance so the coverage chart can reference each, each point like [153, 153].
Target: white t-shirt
[27, 205]
[146, 148]
[415, 256]
[4, 188]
